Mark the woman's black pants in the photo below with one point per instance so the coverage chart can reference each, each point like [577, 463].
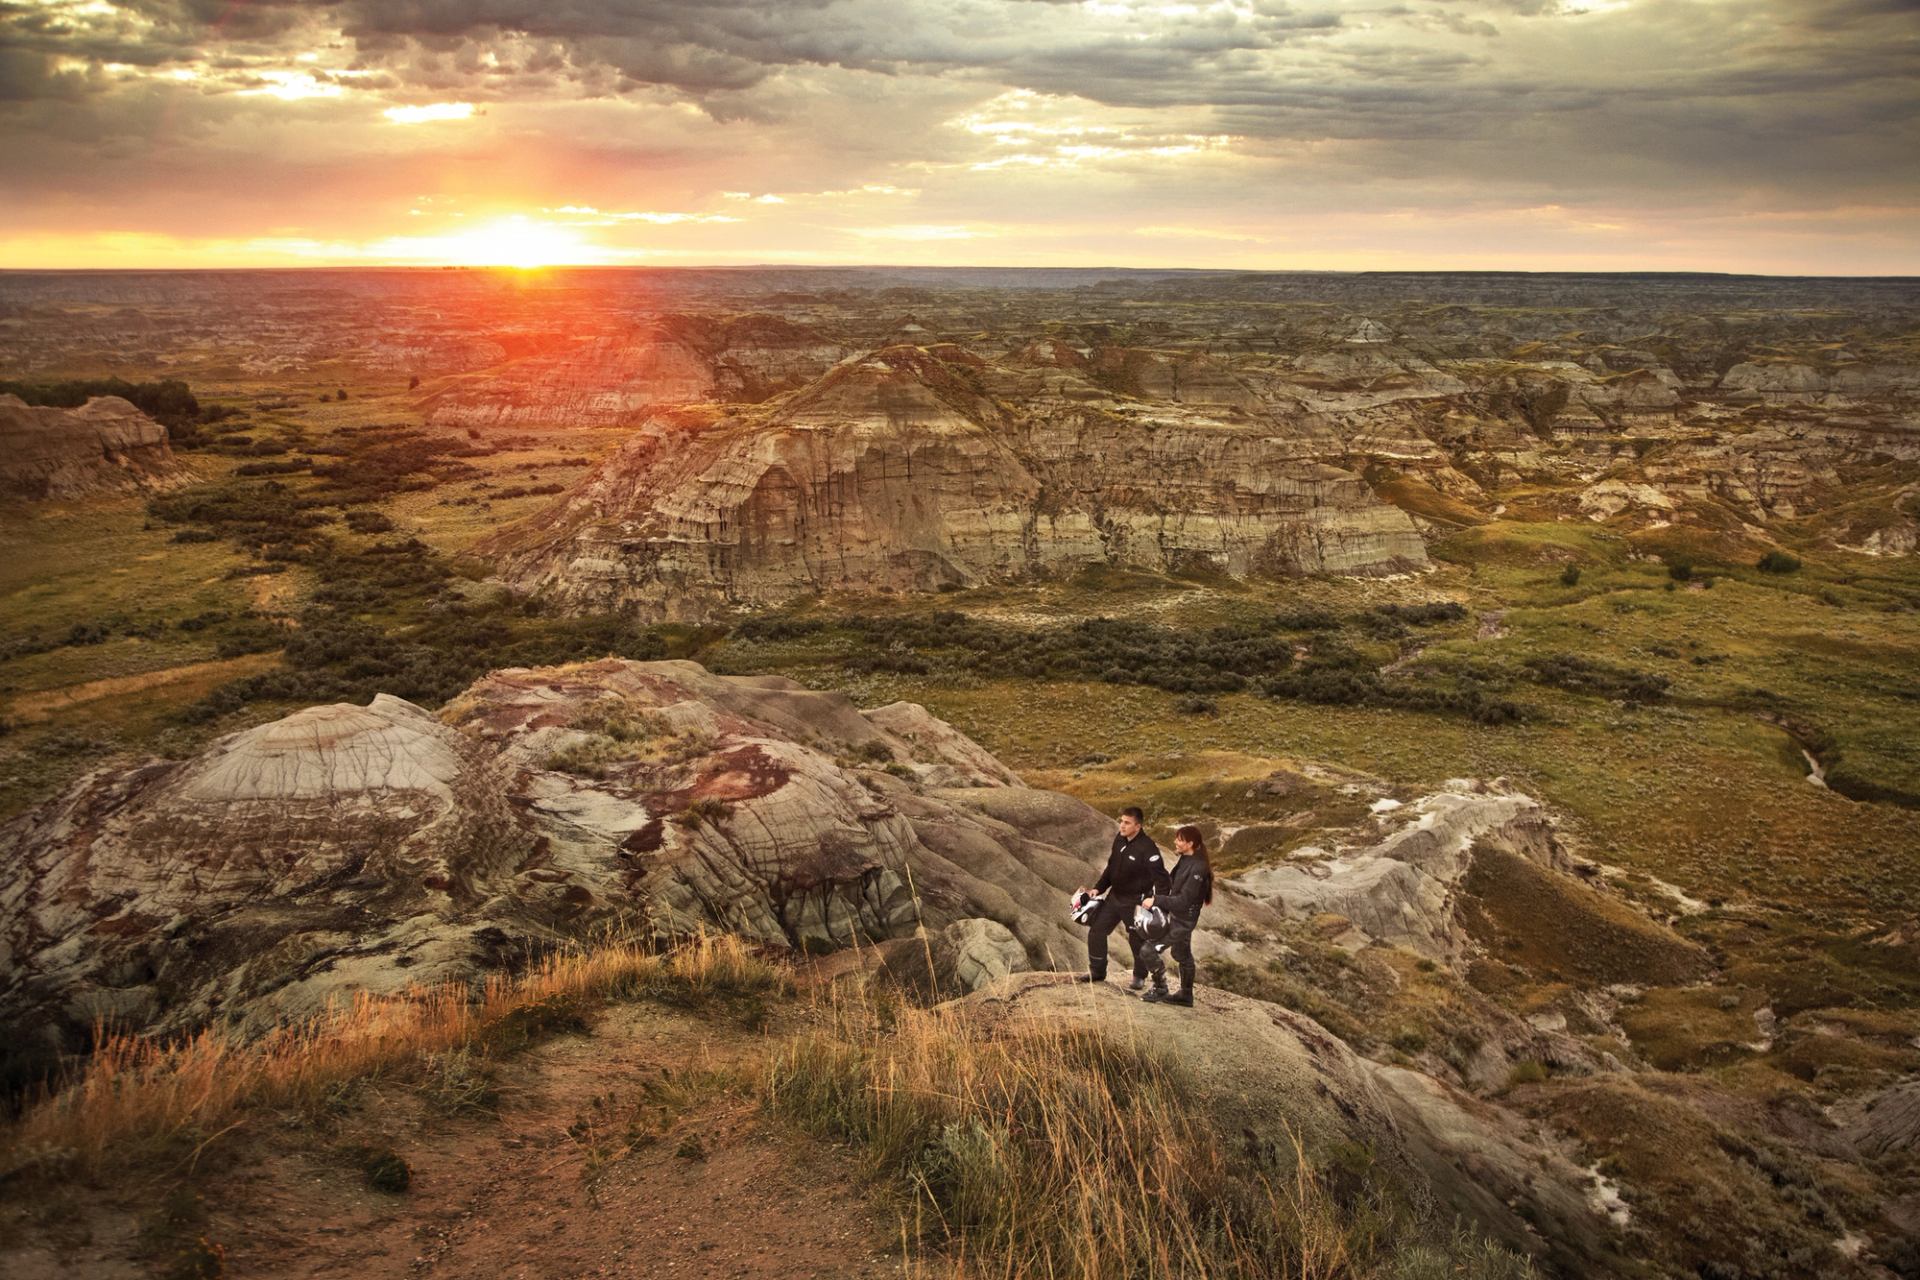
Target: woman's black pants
[1180, 942]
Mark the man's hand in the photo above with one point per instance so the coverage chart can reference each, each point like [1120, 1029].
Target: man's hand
[1146, 902]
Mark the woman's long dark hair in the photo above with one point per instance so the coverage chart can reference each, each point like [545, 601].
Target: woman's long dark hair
[1199, 842]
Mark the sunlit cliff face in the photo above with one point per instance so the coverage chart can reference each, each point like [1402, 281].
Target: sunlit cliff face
[1766, 135]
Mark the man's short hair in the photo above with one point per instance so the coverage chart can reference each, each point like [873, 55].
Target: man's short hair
[1133, 811]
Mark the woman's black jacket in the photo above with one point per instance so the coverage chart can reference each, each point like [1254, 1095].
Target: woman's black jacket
[1192, 886]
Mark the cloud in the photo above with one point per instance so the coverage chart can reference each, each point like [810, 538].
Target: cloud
[429, 112]
[1033, 117]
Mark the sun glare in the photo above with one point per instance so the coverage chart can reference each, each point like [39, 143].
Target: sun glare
[428, 113]
[518, 241]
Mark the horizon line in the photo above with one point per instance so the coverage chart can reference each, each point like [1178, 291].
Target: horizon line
[500, 268]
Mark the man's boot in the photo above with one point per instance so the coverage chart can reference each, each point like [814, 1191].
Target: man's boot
[1138, 983]
[1093, 975]
[1159, 991]
[1183, 997]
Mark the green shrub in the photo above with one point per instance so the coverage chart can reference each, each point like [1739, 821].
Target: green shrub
[167, 401]
[1528, 1072]
[386, 1171]
[1585, 675]
[369, 522]
[707, 811]
[1570, 576]
[1778, 562]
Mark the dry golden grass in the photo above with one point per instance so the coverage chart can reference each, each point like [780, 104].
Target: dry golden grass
[137, 1095]
[1042, 1151]
[1050, 1151]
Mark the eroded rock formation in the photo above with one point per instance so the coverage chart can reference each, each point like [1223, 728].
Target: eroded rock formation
[105, 445]
[617, 379]
[347, 848]
[1274, 1077]
[920, 468]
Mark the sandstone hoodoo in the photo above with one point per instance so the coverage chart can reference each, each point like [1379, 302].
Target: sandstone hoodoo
[920, 469]
[105, 445]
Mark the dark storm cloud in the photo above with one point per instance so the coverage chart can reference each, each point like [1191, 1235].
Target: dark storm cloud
[29, 76]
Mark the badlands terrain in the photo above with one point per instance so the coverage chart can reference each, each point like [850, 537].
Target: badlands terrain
[484, 749]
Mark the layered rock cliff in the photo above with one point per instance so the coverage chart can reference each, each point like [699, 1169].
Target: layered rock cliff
[105, 445]
[920, 468]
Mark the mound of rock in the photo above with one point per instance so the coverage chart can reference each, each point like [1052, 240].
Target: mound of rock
[1449, 873]
[1782, 381]
[106, 445]
[1396, 882]
[348, 848]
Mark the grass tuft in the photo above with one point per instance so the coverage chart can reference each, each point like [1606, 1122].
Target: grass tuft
[1054, 1151]
[139, 1098]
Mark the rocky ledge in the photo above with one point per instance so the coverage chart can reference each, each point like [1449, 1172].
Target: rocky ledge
[105, 445]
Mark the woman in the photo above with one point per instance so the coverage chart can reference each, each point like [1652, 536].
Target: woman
[1191, 890]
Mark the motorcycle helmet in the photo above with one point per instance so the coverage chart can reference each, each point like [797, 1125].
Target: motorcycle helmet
[1152, 924]
[1082, 906]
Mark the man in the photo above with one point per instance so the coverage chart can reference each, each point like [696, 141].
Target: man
[1134, 870]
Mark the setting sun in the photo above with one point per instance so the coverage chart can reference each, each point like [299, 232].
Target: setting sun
[517, 241]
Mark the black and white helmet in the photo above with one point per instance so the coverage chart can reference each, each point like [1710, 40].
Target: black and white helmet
[1082, 906]
[1152, 924]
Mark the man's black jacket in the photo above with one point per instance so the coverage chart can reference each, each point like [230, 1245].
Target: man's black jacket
[1192, 886]
[1134, 869]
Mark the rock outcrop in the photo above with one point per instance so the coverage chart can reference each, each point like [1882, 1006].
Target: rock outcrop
[348, 848]
[919, 469]
[1272, 1077]
[1397, 884]
[106, 445]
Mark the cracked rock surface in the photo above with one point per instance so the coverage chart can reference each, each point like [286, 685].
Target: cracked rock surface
[347, 848]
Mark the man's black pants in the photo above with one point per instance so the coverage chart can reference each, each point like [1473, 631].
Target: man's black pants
[1110, 913]
[1180, 942]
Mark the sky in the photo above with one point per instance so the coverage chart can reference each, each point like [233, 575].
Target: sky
[1778, 136]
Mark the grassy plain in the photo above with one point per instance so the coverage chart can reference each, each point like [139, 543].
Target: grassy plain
[1671, 720]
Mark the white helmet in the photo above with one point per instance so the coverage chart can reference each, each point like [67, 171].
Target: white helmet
[1082, 906]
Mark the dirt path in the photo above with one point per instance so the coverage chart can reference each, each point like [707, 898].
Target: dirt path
[551, 1184]
[38, 706]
